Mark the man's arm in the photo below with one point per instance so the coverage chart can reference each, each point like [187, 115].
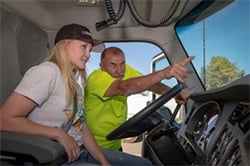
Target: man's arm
[180, 98]
[140, 84]
[159, 88]
[133, 85]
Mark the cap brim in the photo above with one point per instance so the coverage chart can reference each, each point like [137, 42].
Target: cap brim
[98, 46]
[96, 42]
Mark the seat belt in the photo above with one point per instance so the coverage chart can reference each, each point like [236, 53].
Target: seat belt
[70, 121]
[67, 126]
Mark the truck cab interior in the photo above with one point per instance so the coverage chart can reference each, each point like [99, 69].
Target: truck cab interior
[212, 128]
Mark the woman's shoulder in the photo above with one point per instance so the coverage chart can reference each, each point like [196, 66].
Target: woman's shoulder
[45, 68]
[49, 66]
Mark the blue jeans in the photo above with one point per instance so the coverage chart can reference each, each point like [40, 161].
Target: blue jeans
[115, 158]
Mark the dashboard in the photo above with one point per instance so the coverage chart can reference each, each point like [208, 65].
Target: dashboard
[216, 130]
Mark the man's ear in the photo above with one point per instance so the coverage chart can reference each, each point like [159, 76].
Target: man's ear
[101, 65]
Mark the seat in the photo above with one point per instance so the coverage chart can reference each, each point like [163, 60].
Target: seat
[23, 44]
[20, 149]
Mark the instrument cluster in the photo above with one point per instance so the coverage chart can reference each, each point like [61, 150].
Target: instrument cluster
[203, 124]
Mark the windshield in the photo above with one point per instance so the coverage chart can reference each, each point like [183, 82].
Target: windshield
[220, 44]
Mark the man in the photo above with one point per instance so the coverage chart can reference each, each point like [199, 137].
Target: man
[108, 88]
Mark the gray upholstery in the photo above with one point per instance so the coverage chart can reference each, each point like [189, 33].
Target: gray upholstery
[43, 150]
[10, 71]
[23, 44]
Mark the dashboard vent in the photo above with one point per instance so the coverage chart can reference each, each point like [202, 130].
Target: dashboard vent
[235, 157]
[227, 148]
[241, 116]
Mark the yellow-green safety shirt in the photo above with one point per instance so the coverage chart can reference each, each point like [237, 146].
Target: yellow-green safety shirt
[104, 114]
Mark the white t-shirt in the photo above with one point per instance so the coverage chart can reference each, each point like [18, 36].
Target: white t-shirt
[44, 85]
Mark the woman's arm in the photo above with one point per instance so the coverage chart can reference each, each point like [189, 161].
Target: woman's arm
[92, 147]
[14, 114]
[13, 117]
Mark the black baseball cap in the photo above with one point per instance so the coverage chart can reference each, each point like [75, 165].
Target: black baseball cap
[76, 31]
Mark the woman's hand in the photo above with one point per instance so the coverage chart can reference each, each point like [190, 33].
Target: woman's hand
[71, 147]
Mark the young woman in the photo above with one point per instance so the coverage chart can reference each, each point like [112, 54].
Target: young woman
[52, 92]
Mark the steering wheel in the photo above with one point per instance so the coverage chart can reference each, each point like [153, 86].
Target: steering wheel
[127, 127]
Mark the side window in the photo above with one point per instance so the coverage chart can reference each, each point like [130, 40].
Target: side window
[158, 63]
[146, 58]
[138, 55]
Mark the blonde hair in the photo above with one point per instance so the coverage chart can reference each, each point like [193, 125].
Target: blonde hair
[58, 55]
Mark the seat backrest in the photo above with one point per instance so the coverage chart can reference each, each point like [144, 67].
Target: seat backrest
[23, 44]
[10, 71]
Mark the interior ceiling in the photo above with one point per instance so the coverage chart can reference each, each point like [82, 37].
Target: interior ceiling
[51, 14]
